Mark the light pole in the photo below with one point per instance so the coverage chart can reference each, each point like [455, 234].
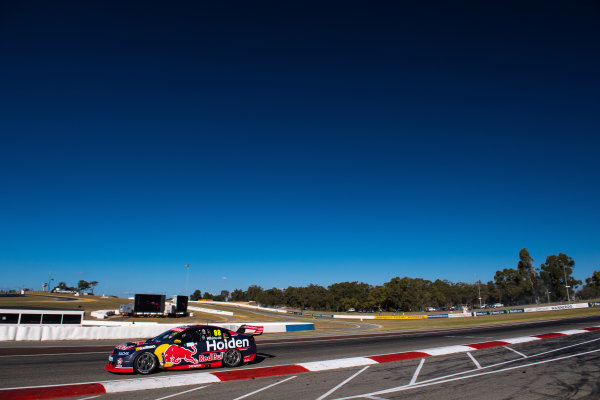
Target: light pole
[566, 286]
[187, 280]
[479, 292]
[548, 295]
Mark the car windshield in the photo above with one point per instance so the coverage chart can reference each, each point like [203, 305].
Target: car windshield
[166, 336]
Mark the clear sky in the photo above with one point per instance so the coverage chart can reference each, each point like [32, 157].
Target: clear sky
[287, 143]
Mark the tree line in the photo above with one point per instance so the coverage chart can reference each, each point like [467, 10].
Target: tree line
[81, 287]
[524, 284]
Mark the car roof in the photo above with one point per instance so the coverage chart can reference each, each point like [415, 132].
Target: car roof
[202, 326]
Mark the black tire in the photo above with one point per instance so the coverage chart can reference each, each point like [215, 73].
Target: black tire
[232, 358]
[145, 363]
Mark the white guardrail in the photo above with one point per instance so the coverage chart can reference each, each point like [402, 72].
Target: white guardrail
[91, 330]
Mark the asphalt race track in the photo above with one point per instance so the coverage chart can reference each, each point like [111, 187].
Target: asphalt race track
[562, 367]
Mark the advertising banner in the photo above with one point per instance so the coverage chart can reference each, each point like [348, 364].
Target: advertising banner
[480, 313]
[437, 316]
[558, 307]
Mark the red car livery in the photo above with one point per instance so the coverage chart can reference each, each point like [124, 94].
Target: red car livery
[198, 346]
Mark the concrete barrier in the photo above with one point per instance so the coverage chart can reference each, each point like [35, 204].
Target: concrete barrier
[231, 304]
[209, 310]
[125, 331]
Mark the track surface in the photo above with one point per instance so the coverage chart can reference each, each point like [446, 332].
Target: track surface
[86, 366]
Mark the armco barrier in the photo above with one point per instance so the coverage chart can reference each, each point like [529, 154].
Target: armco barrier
[132, 331]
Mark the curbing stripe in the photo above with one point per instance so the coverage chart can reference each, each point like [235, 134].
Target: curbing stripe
[550, 335]
[442, 351]
[127, 385]
[130, 385]
[339, 363]
[487, 345]
[52, 392]
[573, 332]
[523, 339]
[410, 355]
[251, 373]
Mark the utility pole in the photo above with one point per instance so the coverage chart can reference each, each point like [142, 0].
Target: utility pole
[566, 285]
[548, 295]
[479, 292]
[187, 280]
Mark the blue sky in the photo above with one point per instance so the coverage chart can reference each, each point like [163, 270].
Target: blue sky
[287, 144]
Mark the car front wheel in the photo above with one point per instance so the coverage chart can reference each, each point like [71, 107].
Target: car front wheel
[145, 363]
[232, 358]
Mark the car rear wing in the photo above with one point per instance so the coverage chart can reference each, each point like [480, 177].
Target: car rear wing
[256, 330]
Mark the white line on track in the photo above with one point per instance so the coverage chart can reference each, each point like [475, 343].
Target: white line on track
[409, 387]
[514, 351]
[448, 378]
[180, 393]
[88, 398]
[265, 388]
[509, 361]
[342, 384]
[417, 371]
[474, 360]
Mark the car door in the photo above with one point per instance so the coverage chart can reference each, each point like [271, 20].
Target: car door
[183, 349]
[210, 344]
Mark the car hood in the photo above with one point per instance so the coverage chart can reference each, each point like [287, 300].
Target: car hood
[133, 345]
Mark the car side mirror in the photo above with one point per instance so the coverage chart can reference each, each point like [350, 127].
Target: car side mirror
[177, 341]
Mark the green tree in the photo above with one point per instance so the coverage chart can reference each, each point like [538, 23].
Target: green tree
[509, 282]
[529, 276]
[93, 285]
[591, 289]
[239, 295]
[291, 297]
[553, 273]
[197, 295]
[352, 292]
[377, 298]
[271, 297]
[82, 286]
[254, 292]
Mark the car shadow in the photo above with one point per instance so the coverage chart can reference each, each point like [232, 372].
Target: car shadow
[260, 357]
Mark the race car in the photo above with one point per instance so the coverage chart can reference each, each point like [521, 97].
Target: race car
[186, 347]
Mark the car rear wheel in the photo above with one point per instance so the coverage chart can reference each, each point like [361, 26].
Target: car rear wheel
[232, 358]
[145, 363]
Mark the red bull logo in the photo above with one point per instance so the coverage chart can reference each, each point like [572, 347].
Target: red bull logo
[175, 354]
